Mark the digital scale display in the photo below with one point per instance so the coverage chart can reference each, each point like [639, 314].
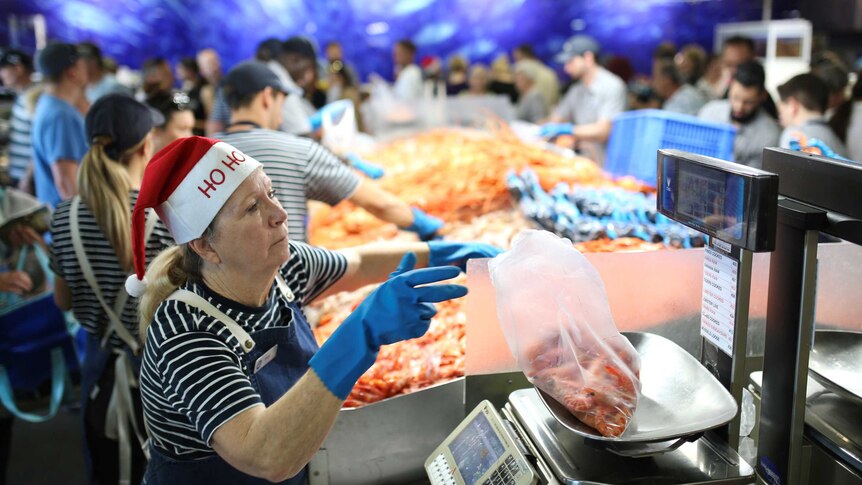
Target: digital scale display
[476, 449]
[734, 203]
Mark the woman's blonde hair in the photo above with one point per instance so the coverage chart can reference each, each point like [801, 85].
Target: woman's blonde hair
[170, 270]
[104, 186]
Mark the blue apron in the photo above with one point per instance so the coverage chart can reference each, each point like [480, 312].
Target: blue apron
[295, 345]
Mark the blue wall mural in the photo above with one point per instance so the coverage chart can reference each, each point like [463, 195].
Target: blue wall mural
[131, 31]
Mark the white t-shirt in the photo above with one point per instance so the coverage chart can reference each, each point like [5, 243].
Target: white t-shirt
[408, 85]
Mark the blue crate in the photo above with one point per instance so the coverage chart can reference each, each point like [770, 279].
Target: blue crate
[637, 135]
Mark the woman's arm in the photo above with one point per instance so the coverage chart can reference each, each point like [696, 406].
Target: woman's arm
[62, 294]
[275, 443]
[372, 263]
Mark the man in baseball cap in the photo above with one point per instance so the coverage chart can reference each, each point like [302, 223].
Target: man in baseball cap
[300, 168]
[16, 67]
[591, 103]
[59, 139]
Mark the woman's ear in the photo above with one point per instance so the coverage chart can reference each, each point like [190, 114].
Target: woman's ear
[205, 250]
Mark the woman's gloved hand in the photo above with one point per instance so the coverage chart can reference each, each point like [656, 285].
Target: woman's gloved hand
[424, 225]
[445, 253]
[553, 130]
[371, 170]
[400, 309]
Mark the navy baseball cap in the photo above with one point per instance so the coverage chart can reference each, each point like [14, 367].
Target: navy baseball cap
[252, 77]
[14, 57]
[123, 119]
[578, 45]
[56, 58]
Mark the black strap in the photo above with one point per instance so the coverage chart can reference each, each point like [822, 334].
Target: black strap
[243, 123]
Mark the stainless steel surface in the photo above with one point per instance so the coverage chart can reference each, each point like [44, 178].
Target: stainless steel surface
[836, 362]
[825, 469]
[740, 343]
[831, 421]
[576, 460]
[493, 387]
[679, 396]
[388, 442]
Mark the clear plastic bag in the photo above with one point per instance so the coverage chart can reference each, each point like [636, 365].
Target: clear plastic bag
[554, 313]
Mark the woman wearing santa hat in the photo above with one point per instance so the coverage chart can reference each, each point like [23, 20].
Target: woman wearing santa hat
[91, 257]
[234, 386]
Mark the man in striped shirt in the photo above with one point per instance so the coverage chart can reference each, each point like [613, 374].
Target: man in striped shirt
[16, 69]
[300, 168]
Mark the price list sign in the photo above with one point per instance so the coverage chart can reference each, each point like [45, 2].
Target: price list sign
[718, 312]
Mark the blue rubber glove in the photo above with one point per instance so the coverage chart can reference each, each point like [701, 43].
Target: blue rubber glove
[825, 149]
[371, 170]
[424, 225]
[553, 130]
[316, 120]
[445, 253]
[400, 309]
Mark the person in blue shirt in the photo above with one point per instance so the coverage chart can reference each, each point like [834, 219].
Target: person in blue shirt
[59, 140]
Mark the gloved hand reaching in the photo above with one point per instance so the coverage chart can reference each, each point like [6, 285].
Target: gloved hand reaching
[399, 309]
[445, 253]
[371, 170]
[424, 225]
[553, 130]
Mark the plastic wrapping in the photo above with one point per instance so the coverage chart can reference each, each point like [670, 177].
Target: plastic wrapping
[554, 313]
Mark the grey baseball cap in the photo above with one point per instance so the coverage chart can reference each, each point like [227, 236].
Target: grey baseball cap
[578, 45]
[251, 77]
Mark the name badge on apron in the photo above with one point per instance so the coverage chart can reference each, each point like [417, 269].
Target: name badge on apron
[265, 359]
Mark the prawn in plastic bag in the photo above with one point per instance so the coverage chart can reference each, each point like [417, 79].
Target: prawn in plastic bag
[554, 313]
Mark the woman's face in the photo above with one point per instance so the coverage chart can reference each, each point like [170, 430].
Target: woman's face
[179, 125]
[251, 229]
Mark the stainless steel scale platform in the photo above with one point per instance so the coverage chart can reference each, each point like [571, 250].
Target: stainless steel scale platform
[573, 459]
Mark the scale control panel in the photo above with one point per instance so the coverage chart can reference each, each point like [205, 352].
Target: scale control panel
[480, 452]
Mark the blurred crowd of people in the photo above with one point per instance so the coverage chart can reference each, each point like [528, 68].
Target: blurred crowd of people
[687, 81]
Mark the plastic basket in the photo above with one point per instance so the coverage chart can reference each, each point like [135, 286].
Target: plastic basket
[637, 135]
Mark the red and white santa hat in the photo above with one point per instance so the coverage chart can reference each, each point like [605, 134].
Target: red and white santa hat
[187, 183]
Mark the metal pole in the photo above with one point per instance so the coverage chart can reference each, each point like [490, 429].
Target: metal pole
[767, 10]
[789, 331]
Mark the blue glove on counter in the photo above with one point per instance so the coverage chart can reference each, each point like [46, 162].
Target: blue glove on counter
[371, 170]
[395, 311]
[553, 130]
[825, 149]
[444, 253]
[424, 225]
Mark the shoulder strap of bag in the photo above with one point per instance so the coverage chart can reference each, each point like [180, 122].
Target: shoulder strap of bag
[58, 384]
[114, 314]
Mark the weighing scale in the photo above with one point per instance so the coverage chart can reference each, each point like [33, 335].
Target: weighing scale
[680, 432]
[819, 195]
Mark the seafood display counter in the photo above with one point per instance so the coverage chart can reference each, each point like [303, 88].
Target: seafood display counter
[417, 393]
